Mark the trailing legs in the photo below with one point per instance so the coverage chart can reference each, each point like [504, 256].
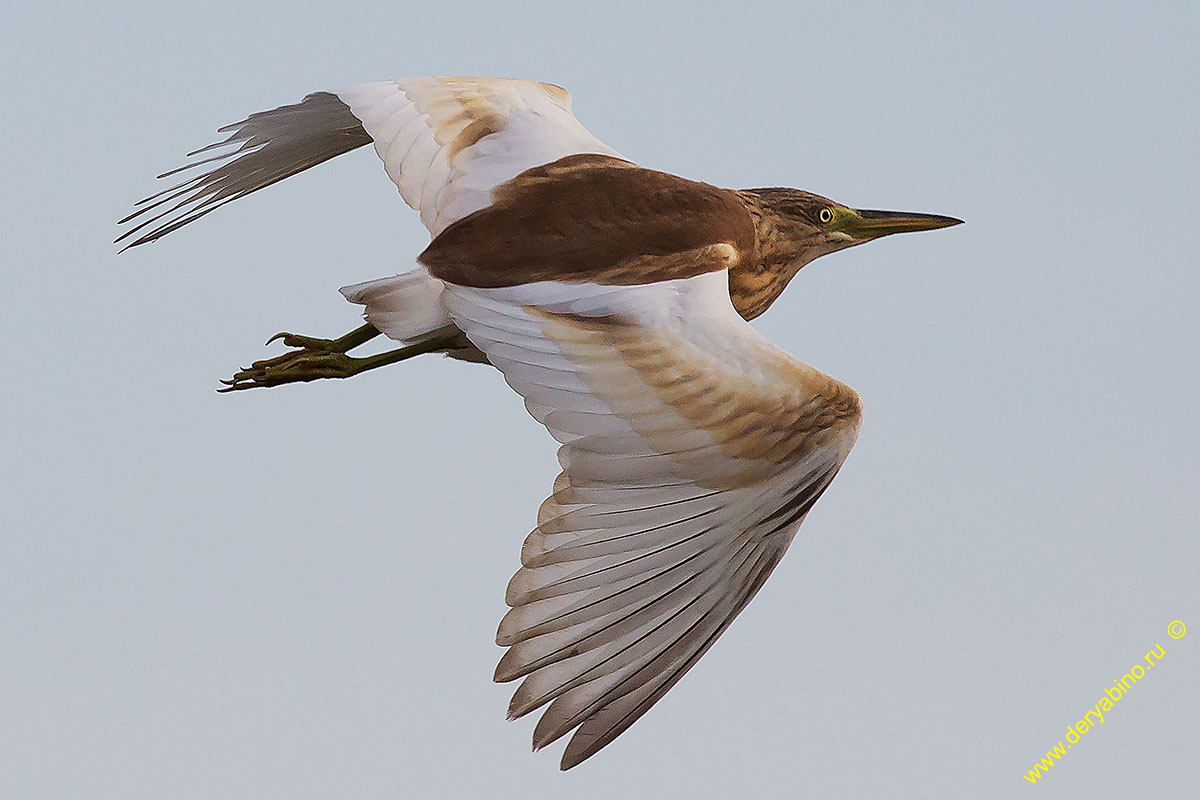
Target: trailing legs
[314, 359]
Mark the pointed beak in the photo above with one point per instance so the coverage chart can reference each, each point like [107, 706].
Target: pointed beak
[867, 225]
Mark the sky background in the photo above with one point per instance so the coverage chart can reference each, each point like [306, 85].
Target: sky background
[293, 593]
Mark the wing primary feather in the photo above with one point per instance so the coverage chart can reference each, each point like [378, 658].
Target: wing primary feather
[585, 547]
[590, 578]
[624, 613]
[800, 504]
[512, 667]
[203, 161]
[597, 731]
[635, 583]
[275, 145]
[640, 672]
[525, 700]
[713, 575]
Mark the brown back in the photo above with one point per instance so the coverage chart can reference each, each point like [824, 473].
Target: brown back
[591, 218]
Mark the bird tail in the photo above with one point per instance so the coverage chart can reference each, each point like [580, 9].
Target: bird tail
[261, 150]
[406, 307]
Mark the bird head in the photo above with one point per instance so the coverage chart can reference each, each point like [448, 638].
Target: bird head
[807, 225]
[794, 227]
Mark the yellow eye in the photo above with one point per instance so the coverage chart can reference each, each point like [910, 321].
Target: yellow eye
[826, 216]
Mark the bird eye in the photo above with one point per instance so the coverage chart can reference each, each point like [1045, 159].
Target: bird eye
[826, 216]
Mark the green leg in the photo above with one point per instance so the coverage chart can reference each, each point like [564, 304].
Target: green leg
[315, 359]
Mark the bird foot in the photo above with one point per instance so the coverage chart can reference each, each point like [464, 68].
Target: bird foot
[305, 364]
[312, 359]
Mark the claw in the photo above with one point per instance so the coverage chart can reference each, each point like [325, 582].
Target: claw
[309, 343]
[303, 364]
[313, 359]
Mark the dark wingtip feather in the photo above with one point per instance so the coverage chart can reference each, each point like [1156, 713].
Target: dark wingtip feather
[274, 145]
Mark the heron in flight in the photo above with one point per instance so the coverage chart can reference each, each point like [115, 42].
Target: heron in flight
[615, 300]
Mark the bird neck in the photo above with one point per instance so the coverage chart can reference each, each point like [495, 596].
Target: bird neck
[754, 283]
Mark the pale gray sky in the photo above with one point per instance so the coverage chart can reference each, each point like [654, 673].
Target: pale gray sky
[293, 593]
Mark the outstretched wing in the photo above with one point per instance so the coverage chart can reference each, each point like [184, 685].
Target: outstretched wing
[692, 449]
[446, 142]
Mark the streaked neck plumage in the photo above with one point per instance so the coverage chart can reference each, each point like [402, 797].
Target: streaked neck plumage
[785, 242]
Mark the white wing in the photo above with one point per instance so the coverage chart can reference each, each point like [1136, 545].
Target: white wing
[446, 142]
[691, 450]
